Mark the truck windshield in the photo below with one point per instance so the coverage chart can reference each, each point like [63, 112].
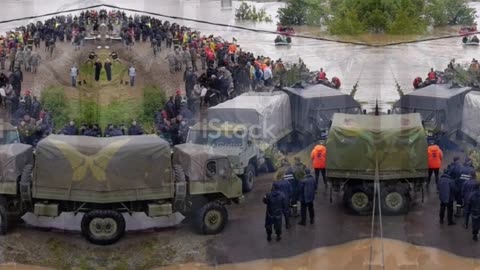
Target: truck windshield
[429, 117]
[9, 137]
[216, 138]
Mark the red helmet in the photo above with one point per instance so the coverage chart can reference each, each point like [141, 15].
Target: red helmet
[416, 82]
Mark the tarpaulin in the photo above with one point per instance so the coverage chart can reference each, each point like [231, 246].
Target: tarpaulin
[471, 116]
[356, 143]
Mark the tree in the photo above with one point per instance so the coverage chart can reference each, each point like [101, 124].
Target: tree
[300, 12]
[450, 12]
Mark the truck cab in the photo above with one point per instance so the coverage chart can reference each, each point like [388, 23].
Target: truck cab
[9, 134]
[439, 107]
[233, 140]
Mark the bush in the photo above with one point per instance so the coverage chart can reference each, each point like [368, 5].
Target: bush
[154, 98]
[249, 12]
[90, 112]
[53, 98]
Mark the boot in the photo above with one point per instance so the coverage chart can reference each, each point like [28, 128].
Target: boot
[269, 238]
[279, 237]
[475, 237]
[302, 223]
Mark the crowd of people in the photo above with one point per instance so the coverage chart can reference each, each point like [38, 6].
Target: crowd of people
[456, 186]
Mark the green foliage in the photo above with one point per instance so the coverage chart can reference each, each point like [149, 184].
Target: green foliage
[347, 24]
[450, 12]
[250, 12]
[300, 12]
[354, 17]
[53, 98]
[153, 99]
[90, 112]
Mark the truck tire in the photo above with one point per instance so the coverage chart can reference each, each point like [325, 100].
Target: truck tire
[179, 173]
[211, 218]
[3, 216]
[103, 227]
[358, 200]
[395, 200]
[248, 178]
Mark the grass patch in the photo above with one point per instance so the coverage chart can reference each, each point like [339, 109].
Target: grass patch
[84, 110]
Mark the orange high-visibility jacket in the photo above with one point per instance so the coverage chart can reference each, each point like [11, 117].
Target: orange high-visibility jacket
[319, 156]
[435, 156]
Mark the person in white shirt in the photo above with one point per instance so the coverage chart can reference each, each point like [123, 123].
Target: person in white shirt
[267, 76]
[74, 75]
[132, 73]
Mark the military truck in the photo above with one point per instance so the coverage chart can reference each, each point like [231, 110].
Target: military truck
[440, 107]
[107, 178]
[249, 129]
[313, 107]
[470, 131]
[360, 145]
[8, 134]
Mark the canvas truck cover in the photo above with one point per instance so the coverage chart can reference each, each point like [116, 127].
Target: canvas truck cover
[357, 142]
[317, 104]
[471, 116]
[13, 157]
[193, 159]
[268, 114]
[103, 170]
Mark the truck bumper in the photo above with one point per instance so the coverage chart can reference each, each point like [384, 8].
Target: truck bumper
[239, 200]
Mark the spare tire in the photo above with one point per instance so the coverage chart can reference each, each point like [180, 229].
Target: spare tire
[248, 178]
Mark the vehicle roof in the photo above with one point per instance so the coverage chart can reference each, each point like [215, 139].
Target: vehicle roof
[376, 122]
[323, 96]
[430, 97]
[219, 126]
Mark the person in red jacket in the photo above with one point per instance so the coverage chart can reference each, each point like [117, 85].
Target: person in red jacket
[322, 76]
[435, 157]
[432, 76]
[319, 158]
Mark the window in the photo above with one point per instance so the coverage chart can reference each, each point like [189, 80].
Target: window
[211, 168]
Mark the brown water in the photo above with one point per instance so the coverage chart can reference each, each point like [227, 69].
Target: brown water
[356, 256]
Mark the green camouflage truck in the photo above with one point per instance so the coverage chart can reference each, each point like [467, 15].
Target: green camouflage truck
[358, 144]
[107, 178]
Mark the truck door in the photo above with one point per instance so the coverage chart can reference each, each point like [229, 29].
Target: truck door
[218, 170]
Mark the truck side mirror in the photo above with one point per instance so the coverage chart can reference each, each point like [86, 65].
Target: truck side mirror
[389, 112]
[364, 111]
[249, 143]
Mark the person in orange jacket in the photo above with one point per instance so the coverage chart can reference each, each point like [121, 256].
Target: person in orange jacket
[319, 158]
[435, 157]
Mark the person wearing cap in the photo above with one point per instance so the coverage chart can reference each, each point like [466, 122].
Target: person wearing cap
[307, 189]
[435, 157]
[277, 206]
[474, 211]
[319, 158]
[446, 194]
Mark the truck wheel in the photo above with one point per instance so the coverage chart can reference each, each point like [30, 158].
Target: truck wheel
[103, 227]
[3, 216]
[211, 218]
[395, 201]
[358, 200]
[248, 178]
